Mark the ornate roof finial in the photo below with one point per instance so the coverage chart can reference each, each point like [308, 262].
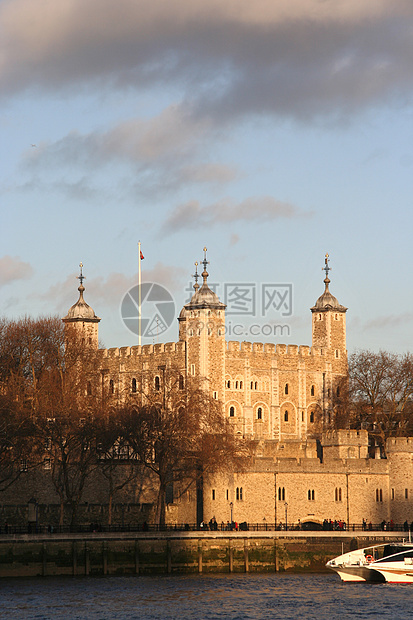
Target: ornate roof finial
[81, 277]
[326, 268]
[205, 274]
[196, 276]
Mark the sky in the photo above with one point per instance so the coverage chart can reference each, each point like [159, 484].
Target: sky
[271, 132]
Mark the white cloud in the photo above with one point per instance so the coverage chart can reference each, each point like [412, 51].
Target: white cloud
[12, 268]
[256, 209]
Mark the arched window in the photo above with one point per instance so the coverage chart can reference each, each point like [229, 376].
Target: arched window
[240, 385]
[259, 413]
[231, 412]
[256, 385]
[228, 384]
[285, 416]
[312, 390]
[236, 385]
[181, 382]
[252, 385]
[157, 383]
[134, 385]
[111, 387]
[286, 389]
[311, 417]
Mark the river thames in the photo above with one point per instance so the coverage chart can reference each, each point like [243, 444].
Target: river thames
[241, 597]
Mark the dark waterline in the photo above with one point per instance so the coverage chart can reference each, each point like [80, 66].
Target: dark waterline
[239, 597]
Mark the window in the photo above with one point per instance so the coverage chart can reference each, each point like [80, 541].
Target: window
[181, 382]
[379, 495]
[133, 387]
[213, 494]
[23, 465]
[89, 388]
[231, 412]
[236, 385]
[259, 413]
[392, 493]
[311, 417]
[157, 383]
[406, 493]
[47, 463]
[228, 384]
[238, 493]
[227, 494]
[256, 385]
[337, 353]
[215, 395]
[240, 385]
[338, 392]
[285, 416]
[286, 389]
[312, 390]
[192, 369]
[338, 495]
[111, 387]
[311, 495]
[252, 385]
[281, 494]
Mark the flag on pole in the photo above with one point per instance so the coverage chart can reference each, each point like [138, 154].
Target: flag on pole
[141, 256]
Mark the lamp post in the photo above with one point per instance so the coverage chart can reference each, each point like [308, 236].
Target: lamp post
[286, 514]
[231, 506]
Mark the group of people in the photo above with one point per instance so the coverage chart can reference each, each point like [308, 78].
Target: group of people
[335, 525]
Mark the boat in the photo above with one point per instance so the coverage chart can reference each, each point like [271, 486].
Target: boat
[389, 562]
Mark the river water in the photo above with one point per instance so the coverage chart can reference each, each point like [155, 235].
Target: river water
[238, 597]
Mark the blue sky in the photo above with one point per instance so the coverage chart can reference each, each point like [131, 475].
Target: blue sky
[270, 132]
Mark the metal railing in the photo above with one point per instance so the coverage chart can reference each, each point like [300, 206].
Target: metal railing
[33, 528]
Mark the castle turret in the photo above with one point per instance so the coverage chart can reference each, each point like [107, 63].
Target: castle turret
[82, 317]
[202, 327]
[329, 320]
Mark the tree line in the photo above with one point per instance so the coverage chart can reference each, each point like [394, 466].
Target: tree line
[174, 435]
[377, 396]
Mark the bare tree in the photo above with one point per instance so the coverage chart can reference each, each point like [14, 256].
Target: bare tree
[179, 433]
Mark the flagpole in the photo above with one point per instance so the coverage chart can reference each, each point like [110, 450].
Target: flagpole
[139, 296]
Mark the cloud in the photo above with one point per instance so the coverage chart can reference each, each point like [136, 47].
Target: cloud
[13, 268]
[162, 155]
[191, 214]
[105, 294]
[391, 320]
[298, 58]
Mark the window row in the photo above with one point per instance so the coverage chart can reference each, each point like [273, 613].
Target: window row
[238, 494]
[406, 494]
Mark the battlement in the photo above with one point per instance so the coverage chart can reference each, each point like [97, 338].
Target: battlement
[268, 348]
[345, 437]
[399, 444]
[144, 350]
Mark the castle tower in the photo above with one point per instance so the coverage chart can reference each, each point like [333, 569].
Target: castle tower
[202, 328]
[82, 318]
[329, 320]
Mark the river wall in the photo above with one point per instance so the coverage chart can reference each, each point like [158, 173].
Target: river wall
[177, 552]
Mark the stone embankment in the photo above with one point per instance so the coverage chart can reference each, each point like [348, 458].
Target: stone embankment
[177, 552]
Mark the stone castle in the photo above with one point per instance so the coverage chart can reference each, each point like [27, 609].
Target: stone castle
[274, 394]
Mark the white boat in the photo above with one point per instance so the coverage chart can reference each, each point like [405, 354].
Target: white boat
[390, 562]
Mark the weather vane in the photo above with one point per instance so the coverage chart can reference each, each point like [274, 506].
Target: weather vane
[196, 276]
[205, 262]
[81, 277]
[326, 267]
